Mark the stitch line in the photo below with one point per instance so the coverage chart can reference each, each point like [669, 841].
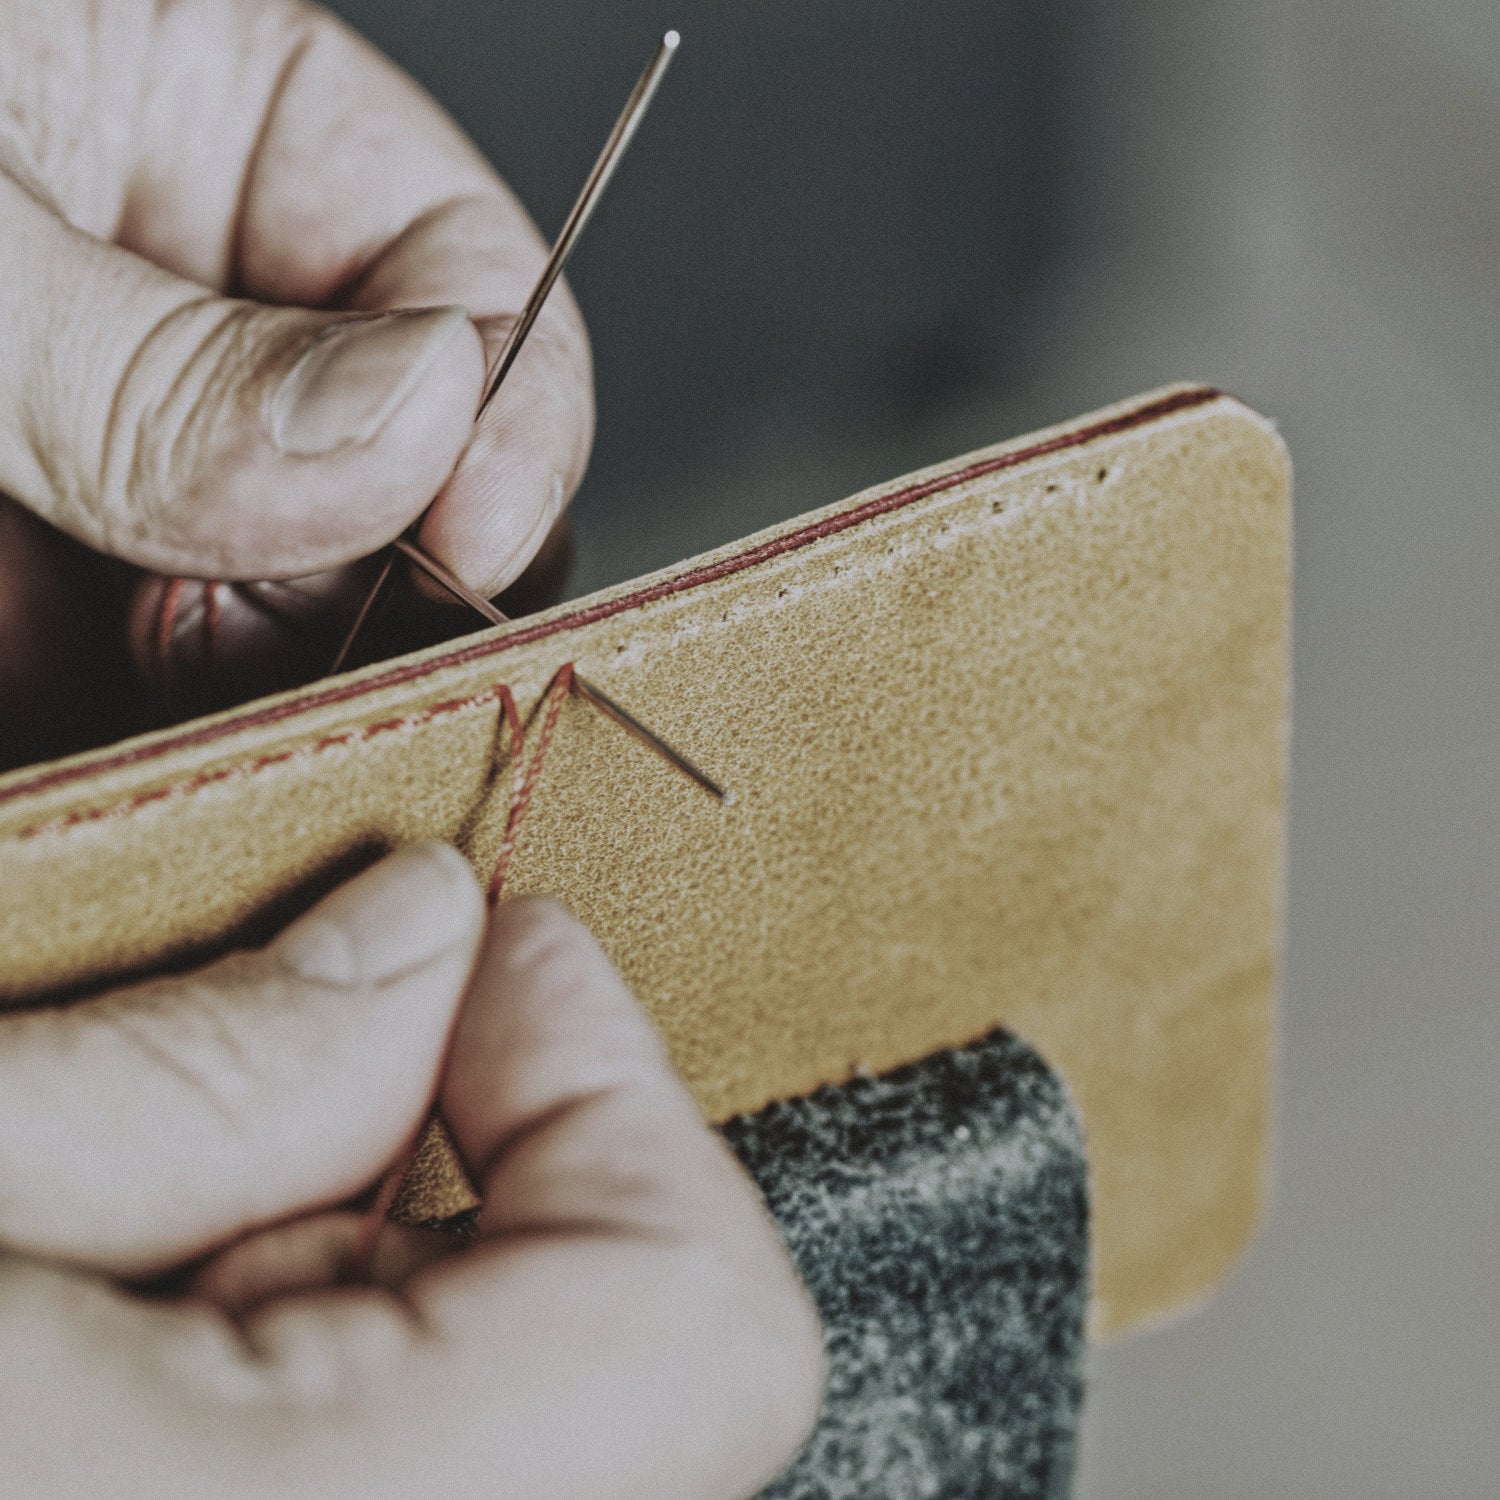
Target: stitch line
[524, 782]
[525, 773]
[678, 583]
[110, 811]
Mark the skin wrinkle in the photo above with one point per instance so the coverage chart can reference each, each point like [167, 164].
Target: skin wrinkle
[133, 131]
[301, 41]
[347, 135]
[367, 262]
[143, 1391]
[553, 1229]
[115, 422]
[31, 405]
[135, 1031]
[104, 63]
[237, 1348]
[209, 1056]
[65, 147]
[29, 116]
[232, 1349]
[345, 1379]
[577, 366]
[509, 567]
[208, 1006]
[25, 173]
[216, 349]
[627, 1200]
[540, 1122]
[280, 74]
[551, 342]
[299, 984]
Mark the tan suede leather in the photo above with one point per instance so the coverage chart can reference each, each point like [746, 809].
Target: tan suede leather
[1006, 740]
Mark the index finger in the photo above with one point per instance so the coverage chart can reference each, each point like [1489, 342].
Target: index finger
[359, 191]
[629, 1325]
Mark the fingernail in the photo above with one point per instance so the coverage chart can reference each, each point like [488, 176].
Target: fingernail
[412, 907]
[353, 376]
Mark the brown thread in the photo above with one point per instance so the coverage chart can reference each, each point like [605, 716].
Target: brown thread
[525, 773]
[525, 780]
[212, 616]
[256, 718]
[249, 768]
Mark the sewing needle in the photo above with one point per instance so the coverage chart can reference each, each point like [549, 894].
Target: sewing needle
[582, 211]
[588, 199]
[597, 696]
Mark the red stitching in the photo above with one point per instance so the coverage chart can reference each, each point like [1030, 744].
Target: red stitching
[525, 773]
[524, 782]
[256, 718]
[260, 763]
[166, 623]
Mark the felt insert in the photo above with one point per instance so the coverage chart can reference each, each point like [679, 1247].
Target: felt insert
[939, 1216]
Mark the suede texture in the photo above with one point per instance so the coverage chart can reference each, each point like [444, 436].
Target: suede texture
[1006, 740]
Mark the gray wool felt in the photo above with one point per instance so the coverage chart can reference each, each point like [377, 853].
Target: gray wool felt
[939, 1215]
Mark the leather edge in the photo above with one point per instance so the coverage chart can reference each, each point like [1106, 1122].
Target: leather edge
[760, 547]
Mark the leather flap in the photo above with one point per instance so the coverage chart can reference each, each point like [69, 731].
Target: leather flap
[1007, 743]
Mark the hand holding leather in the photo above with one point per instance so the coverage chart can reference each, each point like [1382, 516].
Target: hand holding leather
[627, 1324]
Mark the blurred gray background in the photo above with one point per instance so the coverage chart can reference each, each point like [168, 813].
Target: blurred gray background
[853, 239]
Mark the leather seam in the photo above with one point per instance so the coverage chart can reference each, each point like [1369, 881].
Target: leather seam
[239, 770]
[878, 505]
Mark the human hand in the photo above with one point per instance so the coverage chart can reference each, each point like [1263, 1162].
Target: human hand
[204, 208]
[626, 1325]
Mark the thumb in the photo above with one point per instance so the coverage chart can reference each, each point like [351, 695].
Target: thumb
[147, 1125]
[201, 435]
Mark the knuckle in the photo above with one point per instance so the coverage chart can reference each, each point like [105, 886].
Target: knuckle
[157, 423]
[193, 362]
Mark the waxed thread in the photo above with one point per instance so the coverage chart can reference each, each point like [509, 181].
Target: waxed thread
[525, 773]
[524, 784]
[97, 764]
[212, 616]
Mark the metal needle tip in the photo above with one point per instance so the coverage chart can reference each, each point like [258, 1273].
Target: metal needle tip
[598, 179]
[582, 211]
